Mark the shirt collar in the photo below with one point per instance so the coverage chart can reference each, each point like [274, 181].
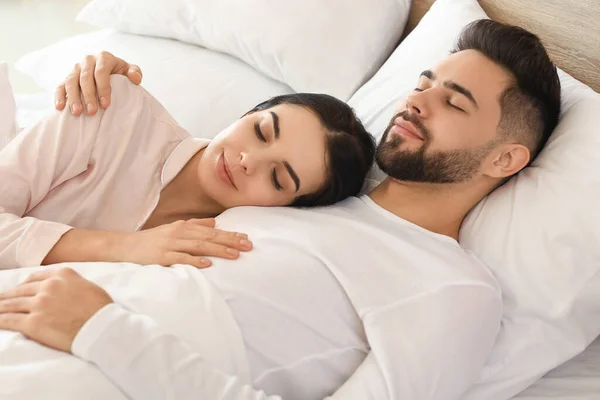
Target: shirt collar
[180, 156]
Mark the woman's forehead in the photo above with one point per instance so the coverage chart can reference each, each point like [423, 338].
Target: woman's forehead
[304, 142]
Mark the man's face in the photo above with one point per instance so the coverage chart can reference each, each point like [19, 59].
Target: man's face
[444, 131]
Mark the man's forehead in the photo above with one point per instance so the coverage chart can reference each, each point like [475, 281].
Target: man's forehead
[474, 71]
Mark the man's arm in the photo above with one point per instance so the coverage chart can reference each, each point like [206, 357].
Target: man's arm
[430, 347]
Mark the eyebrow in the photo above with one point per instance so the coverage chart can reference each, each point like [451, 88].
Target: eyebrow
[293, 174]
[275, 124]
[453, 86]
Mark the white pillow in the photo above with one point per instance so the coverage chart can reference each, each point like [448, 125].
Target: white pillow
[330, 46]
[203, 90]
[539, 233]
[8, 124]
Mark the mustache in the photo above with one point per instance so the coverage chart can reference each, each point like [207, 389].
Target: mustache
[415, 120]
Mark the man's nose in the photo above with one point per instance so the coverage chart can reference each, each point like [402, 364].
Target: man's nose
[417, 103]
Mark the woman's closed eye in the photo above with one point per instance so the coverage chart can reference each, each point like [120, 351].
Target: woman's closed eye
[259, 132]
[275, 180]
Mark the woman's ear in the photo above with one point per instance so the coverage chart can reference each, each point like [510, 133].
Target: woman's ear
[508, 160]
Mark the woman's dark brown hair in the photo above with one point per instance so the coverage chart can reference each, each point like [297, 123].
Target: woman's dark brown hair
[350, 148]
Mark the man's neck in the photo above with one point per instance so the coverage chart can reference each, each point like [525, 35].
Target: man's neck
[435, 207]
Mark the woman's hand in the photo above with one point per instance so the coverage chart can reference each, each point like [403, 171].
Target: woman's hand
[51, 307]
[92, 78]
[180, 242]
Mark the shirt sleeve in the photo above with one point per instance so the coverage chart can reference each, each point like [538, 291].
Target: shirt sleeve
[52, 151]
[431, 347]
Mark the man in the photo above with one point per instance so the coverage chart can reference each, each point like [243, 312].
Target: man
[383, 271]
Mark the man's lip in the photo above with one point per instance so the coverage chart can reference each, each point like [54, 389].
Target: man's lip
[408, 127]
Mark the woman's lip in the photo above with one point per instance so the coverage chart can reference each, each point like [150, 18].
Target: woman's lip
[228, 171]
[222, 172]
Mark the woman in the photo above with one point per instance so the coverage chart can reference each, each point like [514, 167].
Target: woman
[130, 184]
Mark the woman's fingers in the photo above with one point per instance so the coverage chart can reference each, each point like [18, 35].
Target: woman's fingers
[87, 82]
[60, 97]
[73, 92]
[91, 78]
[207, 222]
[106, 65]
[238, 241]
[188, 259]
[134, 74]
[199, 247]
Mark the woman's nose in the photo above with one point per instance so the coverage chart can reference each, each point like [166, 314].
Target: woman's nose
[247, 163]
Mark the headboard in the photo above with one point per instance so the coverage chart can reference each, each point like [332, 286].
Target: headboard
[570, 30]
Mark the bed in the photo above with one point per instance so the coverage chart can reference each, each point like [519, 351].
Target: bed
[569, 28]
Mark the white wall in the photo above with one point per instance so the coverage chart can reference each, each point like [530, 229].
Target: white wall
[26, 25]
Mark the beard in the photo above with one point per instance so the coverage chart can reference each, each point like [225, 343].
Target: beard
[454, 166]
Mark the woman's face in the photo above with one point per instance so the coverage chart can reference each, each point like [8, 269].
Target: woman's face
[266, 158]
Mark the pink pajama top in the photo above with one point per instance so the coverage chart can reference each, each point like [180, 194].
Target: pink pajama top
[102, 172]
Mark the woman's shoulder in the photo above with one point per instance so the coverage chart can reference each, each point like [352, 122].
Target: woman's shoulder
[138, 114]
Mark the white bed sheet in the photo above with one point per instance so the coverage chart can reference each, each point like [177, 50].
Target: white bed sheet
[577, 379]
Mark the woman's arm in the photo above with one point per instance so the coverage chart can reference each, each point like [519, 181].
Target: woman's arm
[38, 160]
[57, 149]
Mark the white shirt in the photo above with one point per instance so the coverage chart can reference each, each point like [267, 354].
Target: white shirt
[319, 285]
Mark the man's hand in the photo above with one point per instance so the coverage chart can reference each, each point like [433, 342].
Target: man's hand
[180, 242]
[51, 307]
[92, 77]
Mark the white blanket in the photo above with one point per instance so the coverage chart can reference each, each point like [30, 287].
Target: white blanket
[178, 298]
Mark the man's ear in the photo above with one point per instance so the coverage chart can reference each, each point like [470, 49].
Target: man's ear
[508, 159]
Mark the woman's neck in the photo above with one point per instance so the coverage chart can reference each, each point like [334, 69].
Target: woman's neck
[185, 197]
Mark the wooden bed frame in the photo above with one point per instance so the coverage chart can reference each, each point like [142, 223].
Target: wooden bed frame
[570, 30]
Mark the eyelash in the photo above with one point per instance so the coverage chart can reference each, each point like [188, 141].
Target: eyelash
[275, 180]
[455, 107]
[259, 134]
[447, 101]
[262, 138]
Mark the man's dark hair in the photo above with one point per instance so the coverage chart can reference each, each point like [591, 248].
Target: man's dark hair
[350, 148]
[531, 105]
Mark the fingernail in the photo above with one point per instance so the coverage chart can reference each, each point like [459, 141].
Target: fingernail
[137, 73]
[103, 101]
[233, 252]
[242, 235]
[90, 107]
[75, 107]
[204, 261]
[246, 243]
[58, 102]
